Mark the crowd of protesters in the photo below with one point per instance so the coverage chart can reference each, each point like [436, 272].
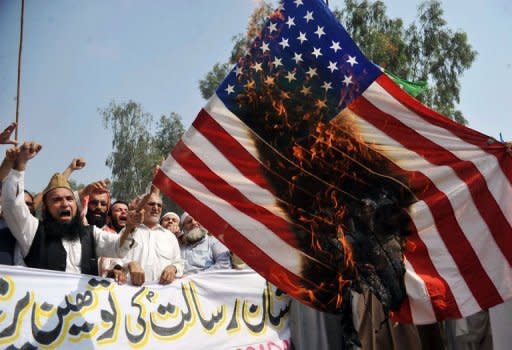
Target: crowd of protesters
[87, 232]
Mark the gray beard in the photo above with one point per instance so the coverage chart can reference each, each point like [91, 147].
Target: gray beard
[194, 235]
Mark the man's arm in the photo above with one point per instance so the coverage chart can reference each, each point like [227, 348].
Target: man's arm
[176, 267]
[76, 164]
[117, 246]
[17, 215]
[8, 163]
[220, 255]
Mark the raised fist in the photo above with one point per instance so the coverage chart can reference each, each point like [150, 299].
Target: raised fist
[28, 150]
[77, 164]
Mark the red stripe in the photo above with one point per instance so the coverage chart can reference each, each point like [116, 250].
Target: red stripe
[272, 271]
[244, 161]
[484, 201]
[441, 296]
[218, 186]
[465, 258]
[464, 133]
[403, 315]
[238, 155]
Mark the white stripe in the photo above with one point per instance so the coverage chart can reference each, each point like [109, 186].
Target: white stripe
[232, 124]
[487, 164]
[422, 311]
[221, 166]
[457, 191]
[465, 212]
[254, 231]
[441, 258]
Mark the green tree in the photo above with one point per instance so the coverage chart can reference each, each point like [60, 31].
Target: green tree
[424, 50]
[76, 186]
[138, 146]
[168, 132]
[257, 20]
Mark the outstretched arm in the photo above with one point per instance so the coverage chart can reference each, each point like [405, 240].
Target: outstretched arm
[76, 164]
[17, 215]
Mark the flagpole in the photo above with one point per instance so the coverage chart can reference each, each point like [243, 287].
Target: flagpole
[327, 3]
[19, 71]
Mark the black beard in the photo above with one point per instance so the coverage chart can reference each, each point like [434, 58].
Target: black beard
[69, 231]
[116, 226]
[99, 222]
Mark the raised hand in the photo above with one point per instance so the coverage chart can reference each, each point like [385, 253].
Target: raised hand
[5, 136]
[77, 164]
[100, 186]
[28, 150]
[11, 154]
[135, 218]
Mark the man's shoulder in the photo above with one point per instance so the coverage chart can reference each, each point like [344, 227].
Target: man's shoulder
[212, 239]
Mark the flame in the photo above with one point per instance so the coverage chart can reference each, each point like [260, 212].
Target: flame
[316, 163]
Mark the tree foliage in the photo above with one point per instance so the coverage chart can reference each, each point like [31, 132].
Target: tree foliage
[424, 50]
[257, 20]
[138, 146]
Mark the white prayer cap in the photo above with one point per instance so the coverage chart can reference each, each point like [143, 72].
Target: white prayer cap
[170, 213]
[183, 217]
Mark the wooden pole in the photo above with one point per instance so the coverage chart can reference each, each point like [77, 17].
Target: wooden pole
[19, 72]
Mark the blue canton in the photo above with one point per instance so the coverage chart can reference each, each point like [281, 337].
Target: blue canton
[305, 54]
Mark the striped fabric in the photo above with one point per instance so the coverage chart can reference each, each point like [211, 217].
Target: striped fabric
[462, 248]
[226, 172]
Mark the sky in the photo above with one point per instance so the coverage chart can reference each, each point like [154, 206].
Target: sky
[80, 55]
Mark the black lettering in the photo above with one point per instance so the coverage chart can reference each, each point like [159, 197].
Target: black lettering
[109, 317]
[185, 318]
[20, 305]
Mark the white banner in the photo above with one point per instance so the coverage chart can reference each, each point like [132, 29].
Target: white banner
[213, 310]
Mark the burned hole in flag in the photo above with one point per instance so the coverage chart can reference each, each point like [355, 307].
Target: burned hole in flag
[347, 203]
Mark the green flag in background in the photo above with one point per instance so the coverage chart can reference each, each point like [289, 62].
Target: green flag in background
[414, 88]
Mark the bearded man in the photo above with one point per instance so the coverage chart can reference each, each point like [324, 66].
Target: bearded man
[117, 216]
[199, 250]
[97, 208]
[60, 241]
[155, 256]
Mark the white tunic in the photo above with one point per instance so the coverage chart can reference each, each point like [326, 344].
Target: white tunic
[23, 226]
[154, 249]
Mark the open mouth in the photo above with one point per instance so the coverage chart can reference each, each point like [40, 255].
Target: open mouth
[122, 219]
[65, 214]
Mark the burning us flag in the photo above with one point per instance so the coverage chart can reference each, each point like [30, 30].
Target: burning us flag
[326, 177]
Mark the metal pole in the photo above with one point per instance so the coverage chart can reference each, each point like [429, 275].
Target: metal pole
[19, 71]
